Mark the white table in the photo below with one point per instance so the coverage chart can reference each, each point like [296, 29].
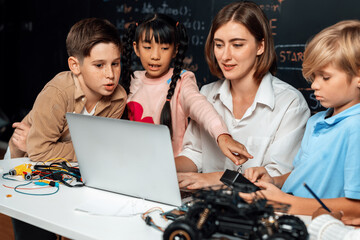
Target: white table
[56, 213]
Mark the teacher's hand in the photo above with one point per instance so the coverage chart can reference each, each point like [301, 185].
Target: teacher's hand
[232, 149]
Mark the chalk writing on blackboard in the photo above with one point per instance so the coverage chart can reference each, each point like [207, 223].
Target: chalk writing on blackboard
[271, 7]
[123, 8]
[272, 11]
[290, 56]
[148, 7]
[313, 103]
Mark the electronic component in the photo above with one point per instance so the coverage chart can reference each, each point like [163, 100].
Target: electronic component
[236, 180]
[173, 214]
[224, 211]
[23, 169]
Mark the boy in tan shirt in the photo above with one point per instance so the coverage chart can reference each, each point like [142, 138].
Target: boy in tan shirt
[91, 87]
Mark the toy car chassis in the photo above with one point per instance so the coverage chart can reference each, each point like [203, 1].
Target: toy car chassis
[224, 211]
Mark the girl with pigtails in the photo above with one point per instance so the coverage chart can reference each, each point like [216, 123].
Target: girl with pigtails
[161, 94]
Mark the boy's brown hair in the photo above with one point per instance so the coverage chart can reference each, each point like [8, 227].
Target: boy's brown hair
[86, 33]
[253, 18]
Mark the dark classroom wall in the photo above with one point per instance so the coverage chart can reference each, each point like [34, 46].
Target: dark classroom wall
[33, 33]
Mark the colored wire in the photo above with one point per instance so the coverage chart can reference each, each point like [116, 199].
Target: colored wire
[60, 172]
[35, 188]
[34, 194]
[6, 174]
[149, 221]
[58, 158]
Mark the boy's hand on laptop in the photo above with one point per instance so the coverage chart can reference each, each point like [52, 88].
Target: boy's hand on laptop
[20, 135]
[232, 149]
[191, 180]
[258, 173]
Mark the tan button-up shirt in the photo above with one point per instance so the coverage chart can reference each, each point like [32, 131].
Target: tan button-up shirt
[49, 133]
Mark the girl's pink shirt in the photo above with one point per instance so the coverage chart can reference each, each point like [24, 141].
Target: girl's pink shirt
[147, 97]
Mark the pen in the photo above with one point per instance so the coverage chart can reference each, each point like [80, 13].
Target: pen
[316, 197]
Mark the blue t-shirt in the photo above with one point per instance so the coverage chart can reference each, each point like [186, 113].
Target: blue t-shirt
[329, 157]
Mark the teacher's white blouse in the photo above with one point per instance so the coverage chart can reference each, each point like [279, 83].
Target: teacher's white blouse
[271, 128]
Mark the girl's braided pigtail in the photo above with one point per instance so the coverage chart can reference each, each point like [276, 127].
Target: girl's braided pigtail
[181, 44]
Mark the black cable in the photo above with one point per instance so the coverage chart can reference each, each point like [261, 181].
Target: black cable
[56, 171]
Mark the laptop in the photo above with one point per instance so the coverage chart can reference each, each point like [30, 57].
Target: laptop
[126, 157]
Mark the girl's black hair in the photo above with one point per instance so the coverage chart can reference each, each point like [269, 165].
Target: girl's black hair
[166, 30]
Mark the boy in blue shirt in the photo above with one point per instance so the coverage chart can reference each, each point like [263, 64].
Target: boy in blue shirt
[329, 156]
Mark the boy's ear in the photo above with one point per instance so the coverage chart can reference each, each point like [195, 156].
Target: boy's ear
[136, 49]
[261, 47]
[74, 65]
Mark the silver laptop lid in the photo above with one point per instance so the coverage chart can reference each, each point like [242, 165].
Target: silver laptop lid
[126, 157]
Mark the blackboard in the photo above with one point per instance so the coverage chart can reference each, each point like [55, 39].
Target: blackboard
[33, 33]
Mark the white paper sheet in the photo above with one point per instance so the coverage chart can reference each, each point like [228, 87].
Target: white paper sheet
[114, 207]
